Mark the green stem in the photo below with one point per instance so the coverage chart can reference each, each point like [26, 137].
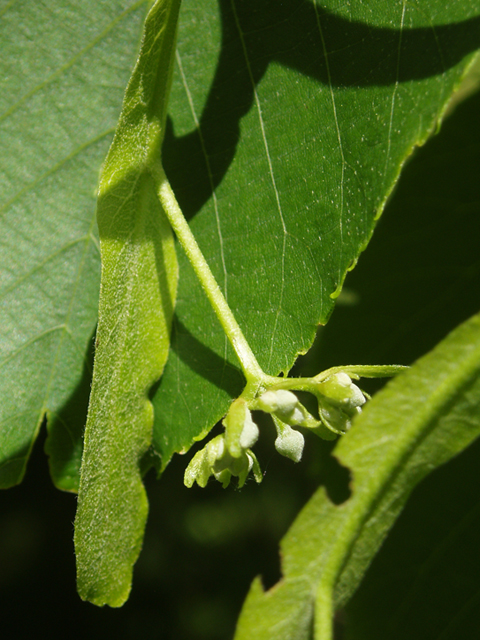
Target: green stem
[250, 366]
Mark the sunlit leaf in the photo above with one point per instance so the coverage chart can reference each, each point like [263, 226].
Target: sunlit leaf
[63, 70]
[289, 129]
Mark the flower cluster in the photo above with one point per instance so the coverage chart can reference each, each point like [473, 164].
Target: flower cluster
[230, 454]
[339, 401]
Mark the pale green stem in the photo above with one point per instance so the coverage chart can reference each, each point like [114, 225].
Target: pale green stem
[250, 366]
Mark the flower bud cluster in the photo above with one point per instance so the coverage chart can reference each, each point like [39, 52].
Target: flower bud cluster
[230, 454]
[339, 401]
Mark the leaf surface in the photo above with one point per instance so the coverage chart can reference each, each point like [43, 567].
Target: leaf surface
[289, 129]
[416, 423]
[137, 298]
[62, 75]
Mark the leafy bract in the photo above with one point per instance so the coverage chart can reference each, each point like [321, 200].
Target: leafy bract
[289, 129]
[416, 423]
[63, 69]
[137, 297]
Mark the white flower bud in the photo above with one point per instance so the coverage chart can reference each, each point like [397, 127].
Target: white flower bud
[342, 378]
[340, 391]
[357, 398]
[280, 400]
[289, 442]
[250, 432]
[285, 406]
[215, 459]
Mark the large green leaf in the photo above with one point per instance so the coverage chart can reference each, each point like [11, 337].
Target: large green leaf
[421, 274]
[62, 75]
[284, 151]
[419, 421]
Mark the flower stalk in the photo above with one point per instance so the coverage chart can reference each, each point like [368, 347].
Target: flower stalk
[339, 399]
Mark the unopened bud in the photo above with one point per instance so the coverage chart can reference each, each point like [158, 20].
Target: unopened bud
[280, 400]
[240, 431]
[341, 392]
[286, 407]
[289, 442]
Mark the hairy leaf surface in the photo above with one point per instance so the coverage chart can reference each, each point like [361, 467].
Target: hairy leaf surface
[137, 298]
[423, 583]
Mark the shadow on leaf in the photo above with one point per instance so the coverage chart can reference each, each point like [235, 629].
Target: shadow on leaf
[304, 37]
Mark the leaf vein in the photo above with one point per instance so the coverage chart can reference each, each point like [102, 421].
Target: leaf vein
[395, 91]
[339, 136]
[273, 182]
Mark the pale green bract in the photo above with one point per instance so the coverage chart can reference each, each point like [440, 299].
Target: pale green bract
[137, 297]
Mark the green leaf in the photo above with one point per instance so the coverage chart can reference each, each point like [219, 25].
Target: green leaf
[420, 276]
[417, 422]
[137, 297]
[62, 75]
[282, 153]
